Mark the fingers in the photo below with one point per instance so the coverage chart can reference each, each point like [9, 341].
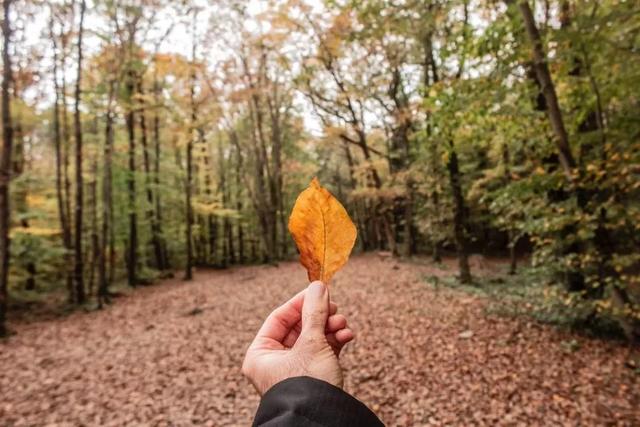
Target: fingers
[335, 323]
[333, 308]
[339, 339]
[282, 319]
[345, 335]
[315, 310]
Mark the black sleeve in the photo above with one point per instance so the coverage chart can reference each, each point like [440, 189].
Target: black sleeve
[308, 402]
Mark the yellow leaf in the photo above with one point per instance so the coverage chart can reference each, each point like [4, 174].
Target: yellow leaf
[323, 232]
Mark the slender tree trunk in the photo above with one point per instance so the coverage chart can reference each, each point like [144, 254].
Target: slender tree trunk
[229, 231]
[5, 166]
[548, 90]
[78, 261]
[239, 171]
[132, 245]
[66, 149]
[459, 216]
[63, 213]
[107, 200]
[95, 239]
[156, 170]
[188, 275]
[264, 209]
[189, 212]
[513, 255]
[222, 189]
[511, 232]
[151, 216]
[20, 194]
[273, 104]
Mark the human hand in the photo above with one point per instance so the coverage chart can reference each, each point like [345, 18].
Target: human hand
[303, 337]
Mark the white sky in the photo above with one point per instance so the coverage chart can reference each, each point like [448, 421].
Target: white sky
[33, 33]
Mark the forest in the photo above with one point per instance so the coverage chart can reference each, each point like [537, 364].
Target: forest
[147, 140]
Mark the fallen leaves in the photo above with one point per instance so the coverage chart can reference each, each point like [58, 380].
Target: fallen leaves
[112, 368]
[323, 232]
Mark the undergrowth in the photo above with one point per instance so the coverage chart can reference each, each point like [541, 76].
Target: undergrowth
[527, 294]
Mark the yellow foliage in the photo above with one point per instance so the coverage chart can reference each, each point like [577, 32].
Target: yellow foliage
[35, 231]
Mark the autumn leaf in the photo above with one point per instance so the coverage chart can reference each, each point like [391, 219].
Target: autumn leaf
[323, 232]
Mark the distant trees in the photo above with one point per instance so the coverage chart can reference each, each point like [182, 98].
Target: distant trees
[444, 127]
[512, 174]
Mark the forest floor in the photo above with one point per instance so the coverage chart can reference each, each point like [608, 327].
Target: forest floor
[170, 354]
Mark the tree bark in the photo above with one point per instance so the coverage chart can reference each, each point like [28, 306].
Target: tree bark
[20, 195]
[189, 213]
[5, 165]
[548, 90]
[156, 171]
[188, 275]
[239, 171]
[78, 261]
[104, 280]
[66, 149]
[61, 194]
[459, 216]
[95, 238]
[151, 215]
[132, 245]
[511, 232]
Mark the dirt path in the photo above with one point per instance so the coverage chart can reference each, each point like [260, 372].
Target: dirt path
[170, 355]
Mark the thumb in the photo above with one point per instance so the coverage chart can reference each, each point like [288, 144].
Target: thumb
[315, 309]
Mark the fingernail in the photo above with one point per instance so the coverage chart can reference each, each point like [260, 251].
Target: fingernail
[316, 289]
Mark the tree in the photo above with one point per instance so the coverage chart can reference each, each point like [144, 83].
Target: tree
[61, 160]
[5, 165]
[78, 260]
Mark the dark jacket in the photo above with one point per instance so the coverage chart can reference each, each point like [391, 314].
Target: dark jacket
[308, 402]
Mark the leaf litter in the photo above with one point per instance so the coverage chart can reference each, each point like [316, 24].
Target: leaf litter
[143, 361]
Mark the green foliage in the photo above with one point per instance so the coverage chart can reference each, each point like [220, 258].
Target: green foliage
[393, 92]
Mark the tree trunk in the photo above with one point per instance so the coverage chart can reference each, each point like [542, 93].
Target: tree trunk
[5, 166]
[511, 232]
[548, 90]
[151, 216]
[513, 255]
[277, 203]
[188, 275]
[78, 261]
[239, 171]
[107, 201]
[65, 133]
[61, 194]
[132, 245]
[459, 216]
[66, 149]
[156, 172]
[222, 189]
[20, 195]
[189, 213]
[95, 239]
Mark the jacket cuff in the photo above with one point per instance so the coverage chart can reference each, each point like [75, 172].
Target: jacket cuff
[306, 401]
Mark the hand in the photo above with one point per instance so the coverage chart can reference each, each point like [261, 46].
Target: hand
[303, 337]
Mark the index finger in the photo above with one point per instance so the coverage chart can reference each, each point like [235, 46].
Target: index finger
[282, 319]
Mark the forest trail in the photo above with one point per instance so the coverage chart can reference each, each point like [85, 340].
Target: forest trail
[170, 355]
